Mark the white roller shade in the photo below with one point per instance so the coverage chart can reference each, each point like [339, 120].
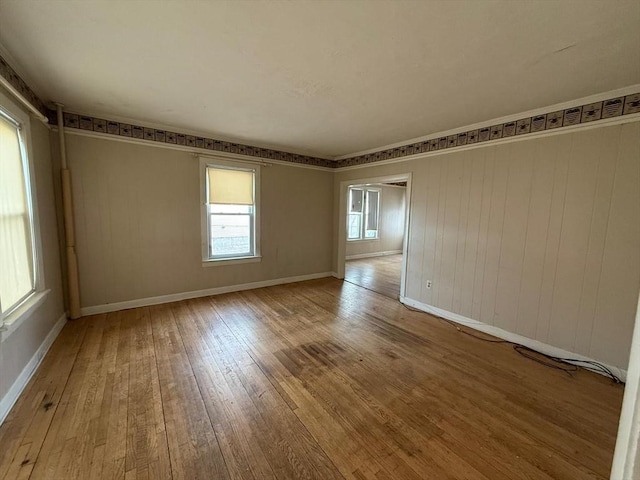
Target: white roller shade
[230, 187]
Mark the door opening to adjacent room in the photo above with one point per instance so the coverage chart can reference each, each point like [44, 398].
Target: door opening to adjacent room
[375, 235]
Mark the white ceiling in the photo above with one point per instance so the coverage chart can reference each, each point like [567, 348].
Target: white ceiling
[322, 78]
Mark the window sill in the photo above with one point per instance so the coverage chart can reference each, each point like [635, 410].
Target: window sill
[363, 240]
[15, 319]
[218, 262]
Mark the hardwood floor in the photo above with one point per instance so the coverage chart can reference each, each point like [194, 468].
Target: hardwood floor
[316, 380]
[380, 274]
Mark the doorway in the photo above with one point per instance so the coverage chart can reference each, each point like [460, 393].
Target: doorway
[374, 225]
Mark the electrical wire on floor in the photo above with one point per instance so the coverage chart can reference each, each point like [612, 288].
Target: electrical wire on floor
[566, 365]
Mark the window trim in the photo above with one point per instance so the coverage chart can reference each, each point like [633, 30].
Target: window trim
[214, 162]
[363, 216]
[13, 318]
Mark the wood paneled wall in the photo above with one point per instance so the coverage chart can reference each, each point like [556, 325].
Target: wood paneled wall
[538, 237]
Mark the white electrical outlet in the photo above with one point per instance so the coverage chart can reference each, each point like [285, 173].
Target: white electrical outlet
[429, 283]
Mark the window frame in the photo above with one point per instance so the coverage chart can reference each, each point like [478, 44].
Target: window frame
[11, 319]
[363, 215]
[217, 162]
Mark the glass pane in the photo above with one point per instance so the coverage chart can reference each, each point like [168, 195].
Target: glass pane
[230, 235]
[373, 201]
[355, 200]
[353, 228]
[16, 251]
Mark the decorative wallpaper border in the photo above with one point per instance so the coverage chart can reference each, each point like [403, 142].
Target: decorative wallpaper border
[21, 86]
[120, 129]
[590, 112]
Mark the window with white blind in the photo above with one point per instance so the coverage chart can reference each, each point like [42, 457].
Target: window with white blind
[230, 211]
[363, 214]
[18, 272]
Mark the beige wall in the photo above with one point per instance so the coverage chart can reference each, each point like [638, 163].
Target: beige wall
[137, 212]
[391, 231]
[18, 348]
[538, 237]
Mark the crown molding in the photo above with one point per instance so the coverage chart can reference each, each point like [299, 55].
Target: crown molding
[116, 129]
[189, 149]
[192, 131]
[21, 90]
[619, 92]
[547, 133]
[593, 110]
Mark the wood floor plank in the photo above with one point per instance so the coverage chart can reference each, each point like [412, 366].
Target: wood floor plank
[193, 446]
[231, 412]
[114, 411]
[315, 380]
[68, 443]
[23, 432]
[146, 440]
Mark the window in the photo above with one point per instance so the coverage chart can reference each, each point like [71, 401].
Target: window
[17, 246]
[363, 214]
[231, 210]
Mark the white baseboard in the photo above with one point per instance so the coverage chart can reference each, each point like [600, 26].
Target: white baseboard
[9, 400]
[375, 254]
[505, 335]
[175, 297]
